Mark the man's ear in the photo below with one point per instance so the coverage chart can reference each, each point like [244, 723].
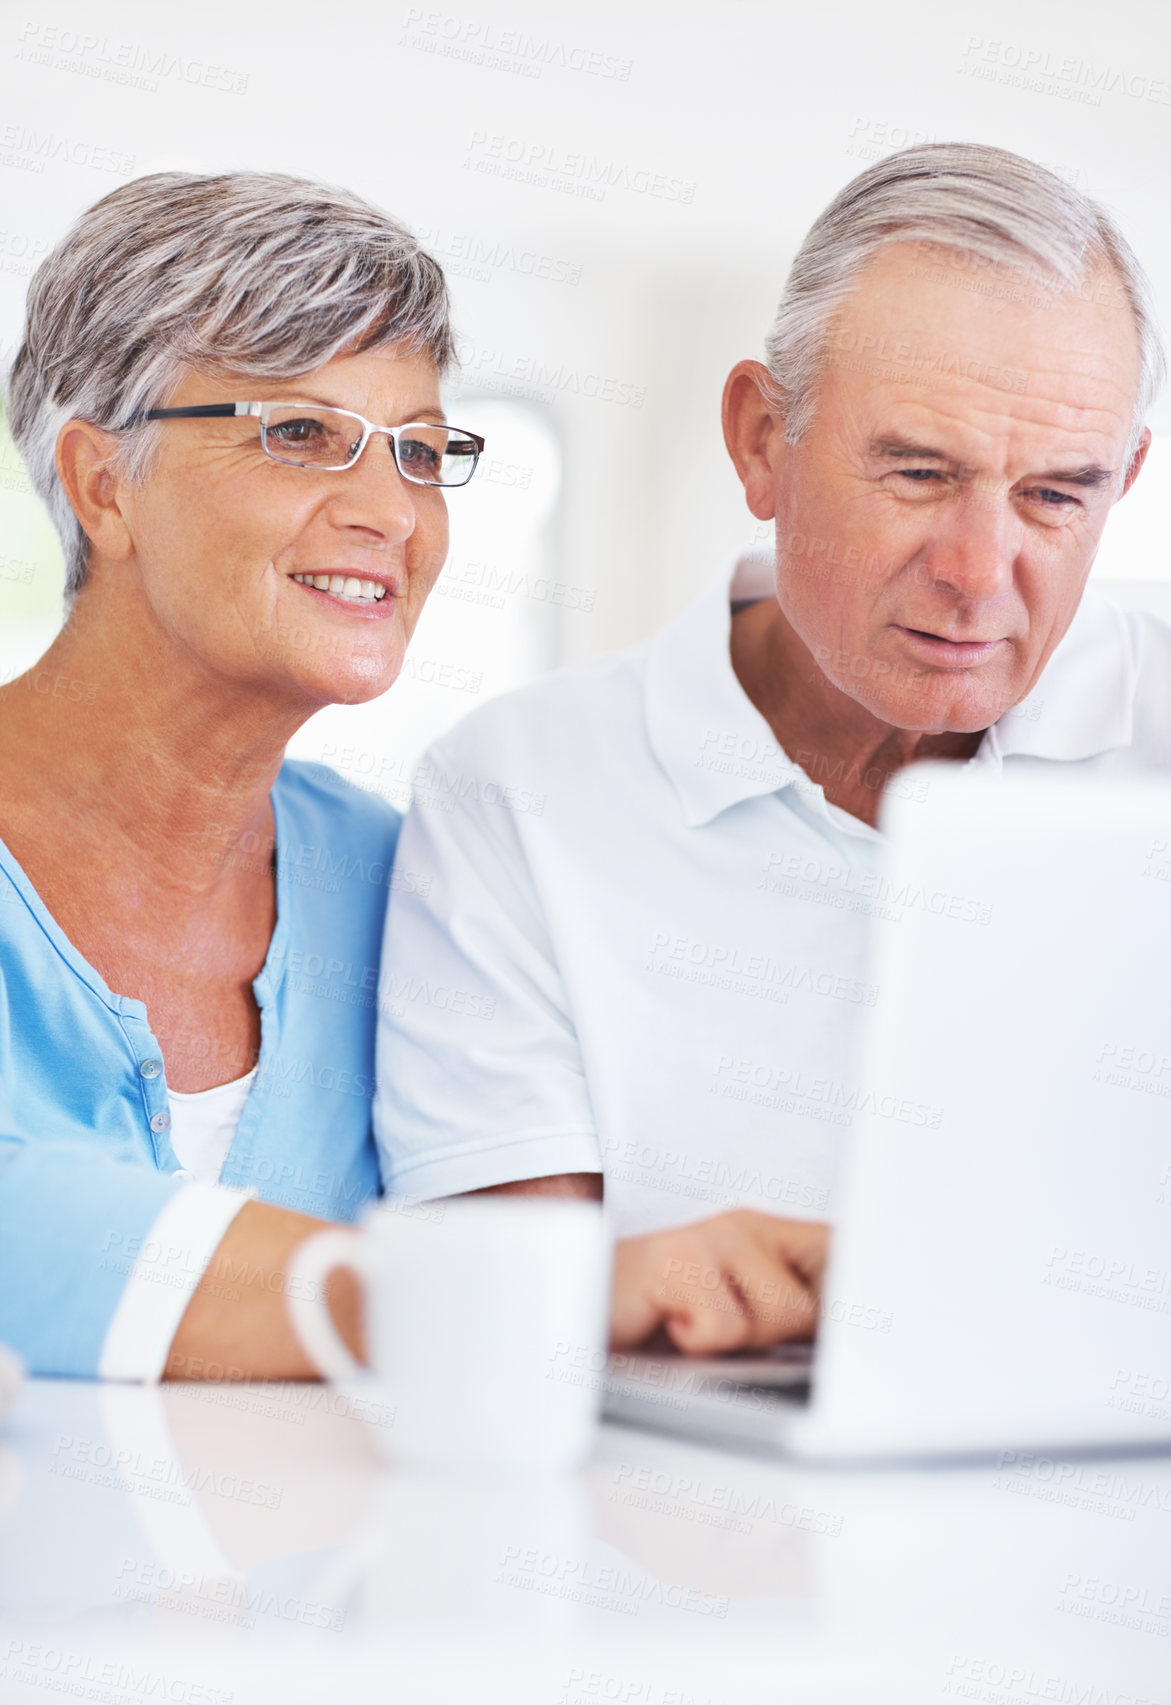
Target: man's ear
[85, 468]
[754, 433]
[1136, 462]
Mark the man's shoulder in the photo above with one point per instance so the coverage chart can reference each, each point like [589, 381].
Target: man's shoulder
[1151, 631]
[1150, 638]
[1105, 694]
[580, 706]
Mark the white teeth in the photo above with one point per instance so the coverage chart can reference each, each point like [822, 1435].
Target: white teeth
[346, 586]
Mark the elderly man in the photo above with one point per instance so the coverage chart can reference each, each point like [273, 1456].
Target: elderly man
[661, 970]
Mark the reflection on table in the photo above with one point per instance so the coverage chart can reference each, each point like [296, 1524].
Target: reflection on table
[228, 1544]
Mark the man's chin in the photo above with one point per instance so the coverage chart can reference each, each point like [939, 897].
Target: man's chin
[942, 709]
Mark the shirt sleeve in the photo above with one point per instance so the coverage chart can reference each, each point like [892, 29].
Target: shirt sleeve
[480, 1073]
[72, 1226]
[171, 1261]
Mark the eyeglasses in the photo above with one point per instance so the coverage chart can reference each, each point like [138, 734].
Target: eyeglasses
[304, 435]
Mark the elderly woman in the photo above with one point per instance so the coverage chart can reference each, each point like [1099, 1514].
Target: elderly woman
[228, 395]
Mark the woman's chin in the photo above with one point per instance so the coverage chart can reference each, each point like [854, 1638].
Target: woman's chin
[360, 689]
[355, 682]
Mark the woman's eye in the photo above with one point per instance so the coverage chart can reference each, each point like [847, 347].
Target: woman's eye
[302, 431]
[417, 454]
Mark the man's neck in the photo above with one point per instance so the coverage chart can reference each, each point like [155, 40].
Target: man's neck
[840, 745]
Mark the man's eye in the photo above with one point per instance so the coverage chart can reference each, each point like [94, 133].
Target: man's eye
[921, 476]
[1055, 499]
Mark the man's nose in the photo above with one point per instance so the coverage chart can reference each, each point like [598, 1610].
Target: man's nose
[974, 553]
[373, 496]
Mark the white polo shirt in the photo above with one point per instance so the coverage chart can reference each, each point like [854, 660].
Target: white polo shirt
[641, 944]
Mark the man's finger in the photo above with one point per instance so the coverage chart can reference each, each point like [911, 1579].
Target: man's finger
[743, 1280]
[803, 1244]
[710, 1322]
[777, 1302]
[636, 1308]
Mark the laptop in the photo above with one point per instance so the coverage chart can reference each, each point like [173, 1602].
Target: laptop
[1004, 1280]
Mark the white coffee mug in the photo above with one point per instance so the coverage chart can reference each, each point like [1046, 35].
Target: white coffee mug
[485, 1321]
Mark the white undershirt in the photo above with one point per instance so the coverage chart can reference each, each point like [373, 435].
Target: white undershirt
[203, 1125]
[183, 1238]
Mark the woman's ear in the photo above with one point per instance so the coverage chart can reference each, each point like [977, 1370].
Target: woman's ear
[85, 467]
[754, 433]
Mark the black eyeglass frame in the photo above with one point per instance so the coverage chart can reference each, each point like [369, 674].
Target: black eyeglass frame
[225, 411]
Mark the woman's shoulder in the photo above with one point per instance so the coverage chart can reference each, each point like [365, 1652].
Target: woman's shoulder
[323, 801]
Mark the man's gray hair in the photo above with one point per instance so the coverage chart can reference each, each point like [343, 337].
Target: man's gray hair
[267, 275]
[995, 207]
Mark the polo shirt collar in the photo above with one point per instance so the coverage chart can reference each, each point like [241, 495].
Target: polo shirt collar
[709, 737]
[717, 749]
[1083, 704]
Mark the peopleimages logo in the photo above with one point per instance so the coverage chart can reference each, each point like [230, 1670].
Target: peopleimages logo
[1065, 75]
[773, 1081]
[487, 369]
[125, 62]
[607, 1586]
[25, 149]
[789, 872]
[218, 1599]
[59, 1669]
[548, 166]
[481, 43]
[693, 1498]
[470, 256]
[1000, 1682]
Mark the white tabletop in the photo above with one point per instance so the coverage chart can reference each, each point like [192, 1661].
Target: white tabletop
[223, 1545]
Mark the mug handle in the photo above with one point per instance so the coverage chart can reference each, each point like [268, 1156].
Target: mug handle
[312, 1263]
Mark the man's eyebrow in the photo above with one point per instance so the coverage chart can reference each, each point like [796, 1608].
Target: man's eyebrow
[1091, 474]
[901, 449]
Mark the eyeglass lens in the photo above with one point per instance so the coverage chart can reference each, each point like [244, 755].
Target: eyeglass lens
[329, 438]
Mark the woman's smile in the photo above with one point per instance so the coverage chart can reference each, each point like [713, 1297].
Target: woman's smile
[359, 595]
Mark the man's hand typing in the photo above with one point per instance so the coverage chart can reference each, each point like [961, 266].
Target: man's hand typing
[740, 1281]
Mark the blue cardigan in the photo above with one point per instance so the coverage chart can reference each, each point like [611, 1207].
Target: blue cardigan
[86, 1163]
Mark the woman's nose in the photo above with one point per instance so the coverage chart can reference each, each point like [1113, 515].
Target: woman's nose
[373, 494]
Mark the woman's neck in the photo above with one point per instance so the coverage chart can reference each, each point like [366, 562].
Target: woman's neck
[143, 746]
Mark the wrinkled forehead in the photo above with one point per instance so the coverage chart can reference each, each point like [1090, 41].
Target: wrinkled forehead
[983, 352]
[379, 381]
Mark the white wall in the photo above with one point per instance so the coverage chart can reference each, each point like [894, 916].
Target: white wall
[708, 138]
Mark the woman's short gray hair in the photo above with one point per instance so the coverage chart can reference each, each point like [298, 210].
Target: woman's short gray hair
[268, 275]
[995, 207]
